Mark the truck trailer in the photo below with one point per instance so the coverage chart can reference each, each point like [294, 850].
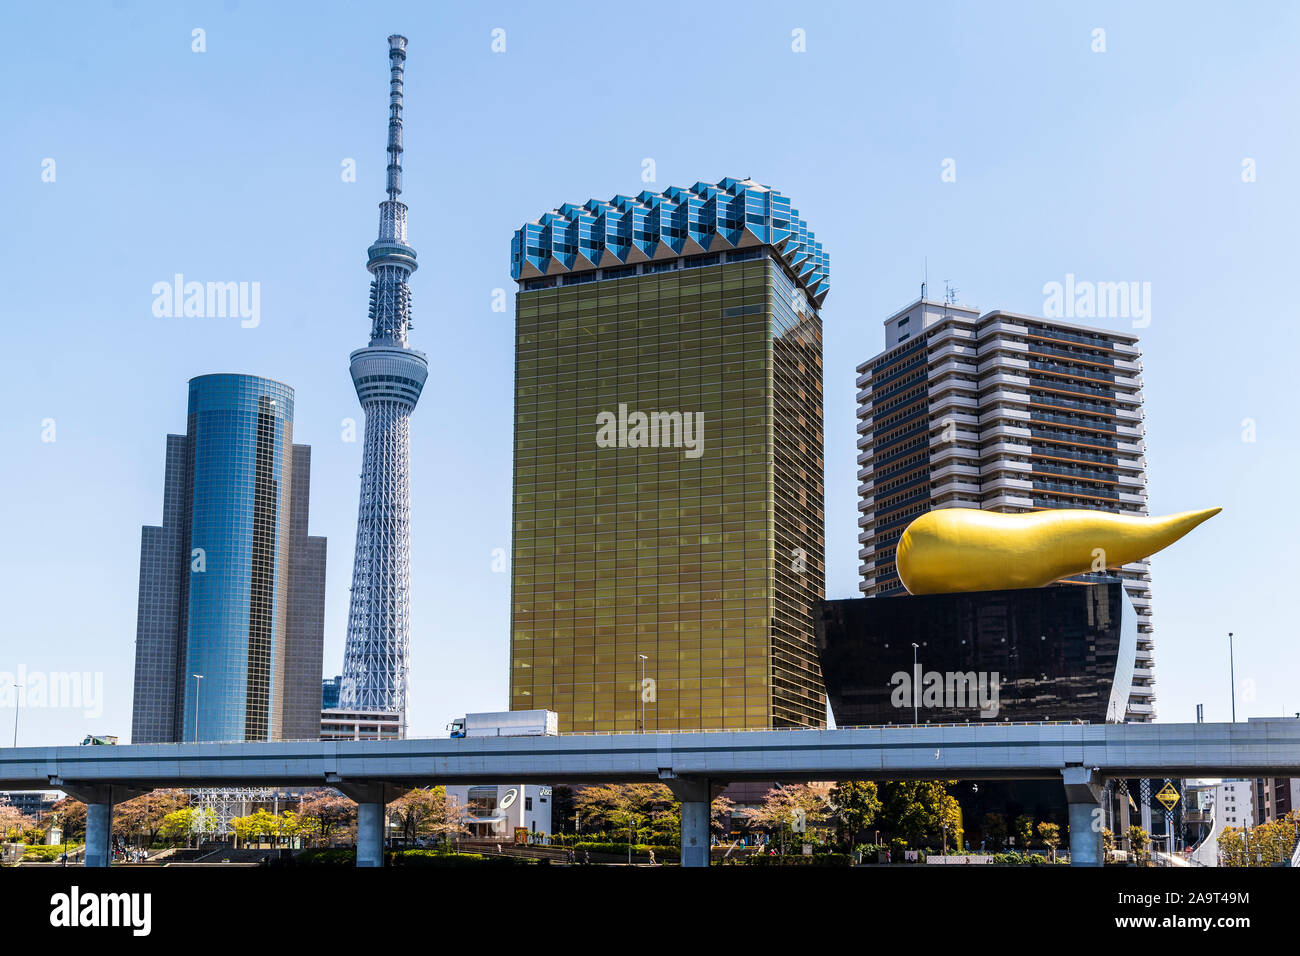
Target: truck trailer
[507, 723]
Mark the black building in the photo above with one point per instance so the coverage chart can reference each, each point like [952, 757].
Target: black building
[1063, 652]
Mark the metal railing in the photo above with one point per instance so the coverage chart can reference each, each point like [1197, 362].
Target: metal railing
[755, 730]
[610, 733]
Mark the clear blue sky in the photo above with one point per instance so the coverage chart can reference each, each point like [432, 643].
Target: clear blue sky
[225, 165]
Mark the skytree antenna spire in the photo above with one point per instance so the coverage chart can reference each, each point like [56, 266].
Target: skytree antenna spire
[397, 58]
[388, 376]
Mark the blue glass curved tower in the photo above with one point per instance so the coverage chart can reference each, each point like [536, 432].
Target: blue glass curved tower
[232, 587]
[241, 440]
[388, 376]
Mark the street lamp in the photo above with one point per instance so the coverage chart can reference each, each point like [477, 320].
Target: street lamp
[916, 687]
[1232, 676]
[198, 695]
[16, 687]
[642, 694]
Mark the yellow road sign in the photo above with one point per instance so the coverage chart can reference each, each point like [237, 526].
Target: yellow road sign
[1168, 796]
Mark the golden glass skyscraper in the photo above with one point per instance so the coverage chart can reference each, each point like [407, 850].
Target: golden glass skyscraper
[668, 520]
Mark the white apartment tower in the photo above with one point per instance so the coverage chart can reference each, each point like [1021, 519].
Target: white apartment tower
[1007, 413]
[1234, 803]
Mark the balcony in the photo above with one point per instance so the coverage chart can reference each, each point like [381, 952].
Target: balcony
[1004, 448]
[994, 362]
[1016, 469]
[1004, 379]
[1007, 502]
[955, 469]
[1001, 327]
[1005, 483]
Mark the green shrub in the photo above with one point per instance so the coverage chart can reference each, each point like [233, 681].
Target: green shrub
[47, 854]
[336, 856]
[662, 853]
[321, 856]
[798, 859]
[1017, 859]
[442, 858]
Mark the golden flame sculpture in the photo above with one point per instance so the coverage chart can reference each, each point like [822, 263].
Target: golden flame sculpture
[966, 549]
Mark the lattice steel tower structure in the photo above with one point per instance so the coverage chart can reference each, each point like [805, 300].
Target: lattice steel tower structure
[389, 376]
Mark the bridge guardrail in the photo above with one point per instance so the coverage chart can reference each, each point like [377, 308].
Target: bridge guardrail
[611, 733]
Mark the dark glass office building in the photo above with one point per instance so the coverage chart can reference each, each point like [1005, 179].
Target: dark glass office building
[230, 628]
[1063, 652]
[668, 518]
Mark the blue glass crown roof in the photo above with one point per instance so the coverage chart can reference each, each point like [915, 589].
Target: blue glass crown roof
[651, 227]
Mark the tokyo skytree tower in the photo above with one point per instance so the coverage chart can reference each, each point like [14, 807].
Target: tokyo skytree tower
[388, 376]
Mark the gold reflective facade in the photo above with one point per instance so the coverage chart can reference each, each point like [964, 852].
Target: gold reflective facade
[706, 560]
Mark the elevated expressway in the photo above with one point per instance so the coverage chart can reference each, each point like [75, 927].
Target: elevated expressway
[694, 764]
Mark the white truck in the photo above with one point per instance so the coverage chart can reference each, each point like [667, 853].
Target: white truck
[507, 723]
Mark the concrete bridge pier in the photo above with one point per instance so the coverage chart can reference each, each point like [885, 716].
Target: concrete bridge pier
[1083, 788]
[371, 800]
[696, 796]
[99, 800]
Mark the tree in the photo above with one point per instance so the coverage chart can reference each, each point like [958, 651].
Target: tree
[719, 816]
[1108, 845]
[427, 812]
[412, 810]
[1267, 844]
[204, 823]
[71, 815]
[329, 813]
[1137, 841]
[855, 804]
[140, 819]
[917, 811]
[995, 831]
[13, 822]
[178, 825]
[791, 808]
[288, 825]
[623, 807]
[260, 824]
[1024, 830]
[447, 820]
[1050, 834]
